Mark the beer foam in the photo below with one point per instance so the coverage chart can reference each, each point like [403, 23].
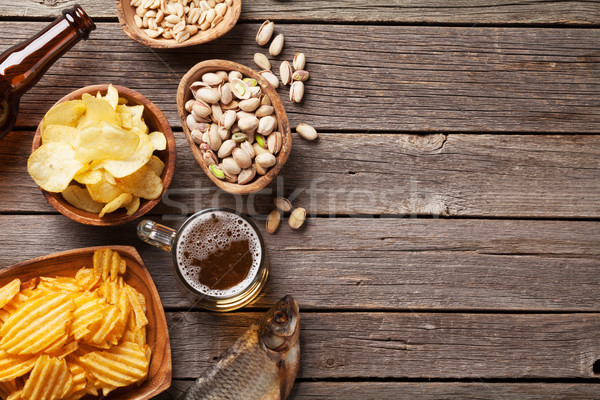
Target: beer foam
[199, 238]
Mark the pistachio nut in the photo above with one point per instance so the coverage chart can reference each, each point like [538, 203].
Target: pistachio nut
[239, 137]
[217, 112]
[299, 61]
[225, 93]
[264, 110]
[240, 89]
[282, 203]
[241, 157]
[273, 221]
[265, 100]
[297, 218]
[276, 45]
[300, 75]
[204, 146]
[196, 135]
[216, 171]
[188, 105]
[226, 148]
[200, 110]
[210, 158]
[212, 79]
[271, 78]
[285, 73]
[229, 177]
[233, 105]
[223, 133]
[247, 175]
[195, 86]
[296, 92]
[274, 142]
[248, 148]
[266, 160]
[258, 149]
[262, 61]
[260, 140]
[223, 75]
[230, 166]
[249, 105]
[255, 91]
[259, 169]
[242, 114]
[307, 132]
[207, 94]
[191, 122]
[214, 140]
[250, 82]
[266, 125]
[265, 32]
[248, 124]
[234, 75]
[228, 119]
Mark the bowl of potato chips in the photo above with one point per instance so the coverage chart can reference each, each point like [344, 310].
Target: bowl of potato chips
[103, 155]
[82, 322]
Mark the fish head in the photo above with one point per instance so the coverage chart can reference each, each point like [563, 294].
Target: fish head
[280, 327]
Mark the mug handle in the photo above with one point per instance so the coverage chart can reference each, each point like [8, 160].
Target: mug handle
[157, 235]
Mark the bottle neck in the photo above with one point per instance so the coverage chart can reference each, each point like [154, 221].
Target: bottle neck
[24, 64]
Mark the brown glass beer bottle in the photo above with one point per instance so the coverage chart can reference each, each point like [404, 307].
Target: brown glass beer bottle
[23, 65]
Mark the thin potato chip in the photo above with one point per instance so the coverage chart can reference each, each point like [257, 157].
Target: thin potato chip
[80, 198]
[89, 177]
[159, 141]
[103, 191]
[133, 205]
[139, 158]
[112, 96]
[126, 119]
[97, 110]
[143, 183]
[49, 379]
[12, 366]
[156, 165]
[117, 203]
[9, 291]
[67, 113]
[109, 178]
[87, 278]
[123, 100]
[52, 166]
[137, 119]
[105, 141]
[60, 133]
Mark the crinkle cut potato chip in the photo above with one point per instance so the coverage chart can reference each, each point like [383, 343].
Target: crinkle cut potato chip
[9, 291]
[66, 337]
[95, 141]
[52, 166]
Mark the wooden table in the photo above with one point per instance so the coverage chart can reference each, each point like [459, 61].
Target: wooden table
[453, 244]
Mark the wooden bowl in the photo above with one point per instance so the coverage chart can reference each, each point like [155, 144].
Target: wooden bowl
[126, 13]
[68, 262]
[156, 121]
[184, 94]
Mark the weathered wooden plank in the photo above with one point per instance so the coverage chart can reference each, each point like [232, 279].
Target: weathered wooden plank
[424, 390]
[369, 78]
[371, 174]
[387, 263]
[400, 11]
[408, 345]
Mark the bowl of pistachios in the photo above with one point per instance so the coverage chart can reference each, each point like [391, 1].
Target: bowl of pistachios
[171, 23]
[235, 124]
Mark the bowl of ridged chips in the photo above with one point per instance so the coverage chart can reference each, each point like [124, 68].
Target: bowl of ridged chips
[103, 155]
[86, 322]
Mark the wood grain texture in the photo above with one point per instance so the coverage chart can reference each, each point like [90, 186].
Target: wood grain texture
[394, 174]
[408, 345]
[365, 78]
[371, 264]
[398, 11]
[424, 391]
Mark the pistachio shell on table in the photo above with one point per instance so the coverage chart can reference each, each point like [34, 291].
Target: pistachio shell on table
[266, 125]
[264, 110]
[274, 142]
[271, 78]
[299, 61]
[241, 157]
[208, 94]
[226, 148]
[285, 73]
[228, 119]
[247, 175]
[266, 160]
[234, 75]
[273, 220]
[265, 32]
[306, 131]
[249, 105]
[296, 92]
[225, 93]
[276, 45]
[240, 89]
[212, 78]
[230, 166]
[297, 218]
[262, 61]
[300, 75]
[282, 203]
[248, 124]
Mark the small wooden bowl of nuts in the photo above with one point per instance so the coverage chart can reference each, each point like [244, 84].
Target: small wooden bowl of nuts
[164, 24]
[235, 123]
